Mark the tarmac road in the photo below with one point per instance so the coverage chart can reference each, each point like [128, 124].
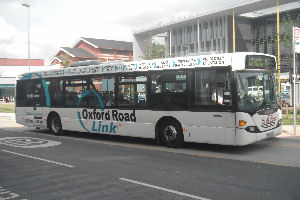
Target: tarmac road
[36, 165]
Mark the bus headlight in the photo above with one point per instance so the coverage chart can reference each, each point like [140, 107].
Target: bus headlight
[252, 129]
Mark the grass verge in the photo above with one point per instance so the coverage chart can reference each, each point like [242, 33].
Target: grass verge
[7, 107]
[288, 117]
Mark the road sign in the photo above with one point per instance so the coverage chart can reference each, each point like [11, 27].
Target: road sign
[297, 39]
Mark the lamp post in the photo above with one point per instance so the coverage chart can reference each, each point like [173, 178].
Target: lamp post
[28, 6]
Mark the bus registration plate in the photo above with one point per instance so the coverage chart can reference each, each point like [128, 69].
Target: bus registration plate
[271, 134]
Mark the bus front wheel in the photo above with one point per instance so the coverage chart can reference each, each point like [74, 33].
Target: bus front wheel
[55, 125]
[171, 134]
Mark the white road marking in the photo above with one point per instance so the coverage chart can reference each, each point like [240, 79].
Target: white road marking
[28, 142]
[6, 194]
[36, 158]
[164, 189]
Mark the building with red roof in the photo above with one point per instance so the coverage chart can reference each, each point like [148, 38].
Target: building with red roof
[93, 49]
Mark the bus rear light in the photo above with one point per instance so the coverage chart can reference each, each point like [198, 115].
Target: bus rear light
[242, 123]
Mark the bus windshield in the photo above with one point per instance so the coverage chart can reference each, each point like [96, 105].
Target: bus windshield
[256, 90]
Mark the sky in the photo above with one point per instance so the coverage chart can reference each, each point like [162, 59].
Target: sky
[60, 23]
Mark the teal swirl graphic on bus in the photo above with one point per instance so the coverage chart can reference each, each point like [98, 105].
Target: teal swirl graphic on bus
[86, 93]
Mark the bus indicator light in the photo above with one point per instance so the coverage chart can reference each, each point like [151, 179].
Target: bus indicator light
[185, 129]
[242, 122]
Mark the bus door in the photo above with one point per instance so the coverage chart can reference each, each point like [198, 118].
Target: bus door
[213, 101]
[33, 103]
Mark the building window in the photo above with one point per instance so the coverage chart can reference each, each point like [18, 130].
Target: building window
[179, 36]
[217, 29]
[221, 28]
[211, 29]
[123, 52]
[189, 34]
[214, 45]
[208, 46]
[195, 33]
[205, 31]
[200, 32]
[174, 38]
[223, 45]
[107, 51]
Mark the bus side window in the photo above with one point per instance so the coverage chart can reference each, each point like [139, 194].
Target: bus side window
[104, 86]
[205, 87]
[210, 87]
[33, 93]
[56, 92]
[74, 88]
[169, 89]
[132, 91]
[21, 93]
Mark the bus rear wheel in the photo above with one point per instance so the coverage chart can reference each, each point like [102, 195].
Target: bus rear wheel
[55, 125]
[171, 134]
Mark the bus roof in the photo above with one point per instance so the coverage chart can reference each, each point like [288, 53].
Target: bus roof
[235, 60]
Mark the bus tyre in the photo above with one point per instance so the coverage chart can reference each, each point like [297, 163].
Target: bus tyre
[171, 134]
[55, 125]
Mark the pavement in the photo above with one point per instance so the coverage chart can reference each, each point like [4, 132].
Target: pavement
[8, 120]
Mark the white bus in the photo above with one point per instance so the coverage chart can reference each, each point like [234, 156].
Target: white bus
[204, 99]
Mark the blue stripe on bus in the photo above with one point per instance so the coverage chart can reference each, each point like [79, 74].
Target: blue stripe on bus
[86, 93]
[79, 118]
[45, 90]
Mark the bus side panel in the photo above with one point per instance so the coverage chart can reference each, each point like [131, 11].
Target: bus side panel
[32, 117]
[69, 119]
[209, 127]
[20, 115]
[74, 119]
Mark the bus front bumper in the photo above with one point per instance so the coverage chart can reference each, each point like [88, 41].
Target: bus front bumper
[244, 137]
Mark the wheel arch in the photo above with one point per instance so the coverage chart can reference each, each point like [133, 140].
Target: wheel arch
[49, 117]
[159, 124]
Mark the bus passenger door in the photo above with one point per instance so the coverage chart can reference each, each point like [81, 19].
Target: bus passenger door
[33, 103]
[215, 117]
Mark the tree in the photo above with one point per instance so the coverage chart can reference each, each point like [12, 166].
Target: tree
[155, 51]
[66, 61]
[286, 36]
